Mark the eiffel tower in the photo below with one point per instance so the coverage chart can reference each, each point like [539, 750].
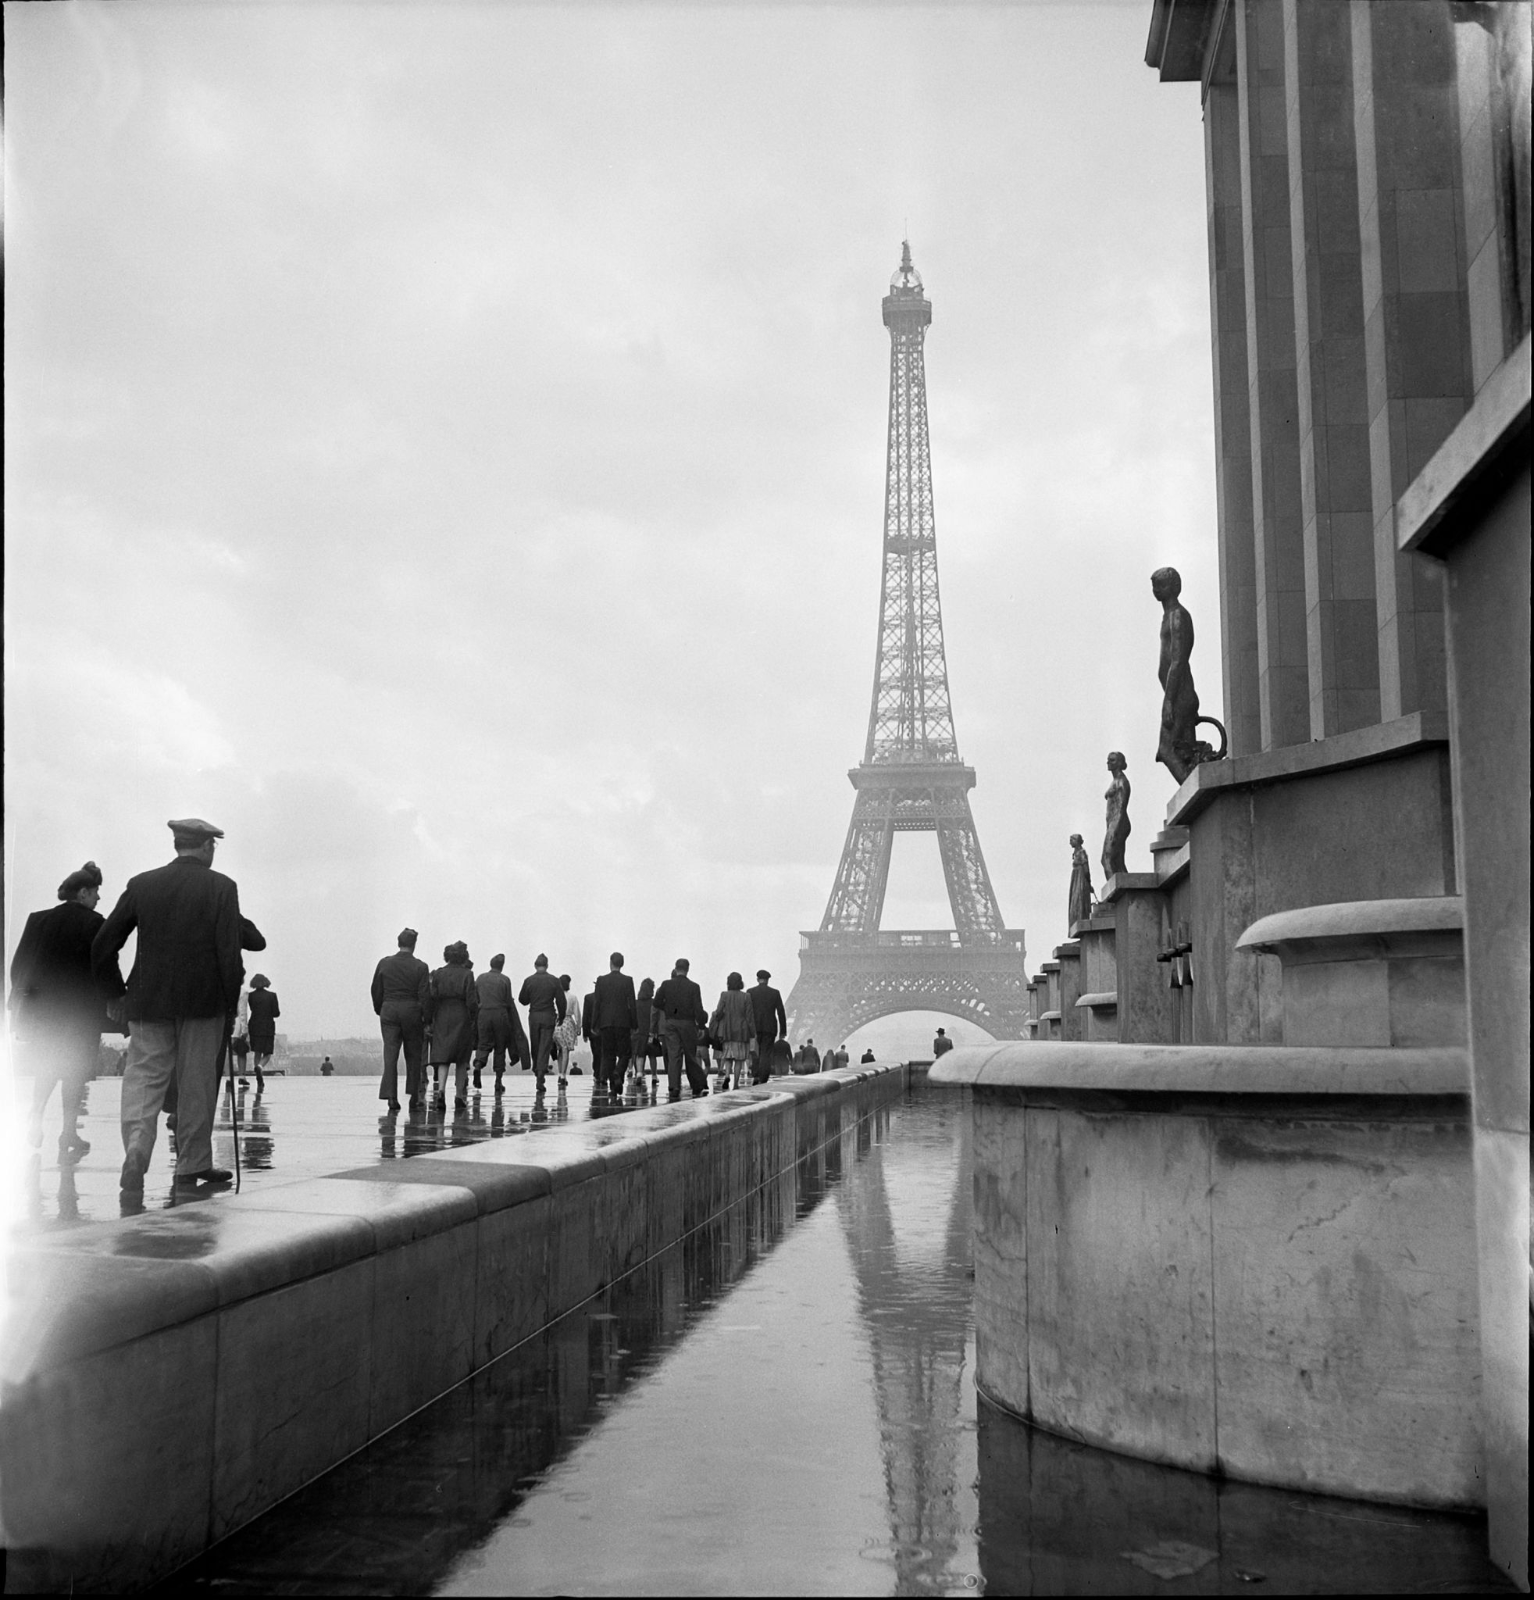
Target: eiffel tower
[911, 779]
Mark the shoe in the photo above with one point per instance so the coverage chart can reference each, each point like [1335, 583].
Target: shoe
[564, 1083]
[72, 1147]
[190, 1180]
[477, 1083]
[500, 1087]
[460, 1104]
[394, 1105]
[132, 1180]
[417, 1103]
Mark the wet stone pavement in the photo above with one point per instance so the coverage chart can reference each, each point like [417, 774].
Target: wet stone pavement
[293, 1128]
[784, 1402]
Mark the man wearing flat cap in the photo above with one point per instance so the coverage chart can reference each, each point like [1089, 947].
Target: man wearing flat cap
[178, 1000]
[771, 1024]
[401, 998]
[59, 1012]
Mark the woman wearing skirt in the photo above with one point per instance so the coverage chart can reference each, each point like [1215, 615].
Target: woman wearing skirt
[263, 1011]
[453, 1000]
[568, 1034]
[733, 1027]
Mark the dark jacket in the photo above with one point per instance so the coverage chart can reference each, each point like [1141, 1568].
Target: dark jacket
[188, 962]
[543, 997]
[942, 1045]
[401, 976]
[767, 1008]
[587, 1006]
[51, 982]
[615, 1005]
[681, 1000]
[453, 1006]
[264, 1012]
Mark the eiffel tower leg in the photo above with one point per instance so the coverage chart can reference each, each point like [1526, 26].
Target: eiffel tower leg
[975, 912]
[857, 897]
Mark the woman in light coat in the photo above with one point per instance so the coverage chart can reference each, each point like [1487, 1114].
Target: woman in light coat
[733, 1027]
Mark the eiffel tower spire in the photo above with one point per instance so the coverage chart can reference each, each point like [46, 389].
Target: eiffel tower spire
[911, 778]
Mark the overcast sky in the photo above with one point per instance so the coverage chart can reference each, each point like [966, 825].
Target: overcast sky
[445, 448]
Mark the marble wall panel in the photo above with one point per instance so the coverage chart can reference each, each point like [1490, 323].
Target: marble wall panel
[1345, 1304]
[294, 1368]
[512, 1289]
[1001, 1247]
[97, 1489]
[577, 1257]
[1119, 1283]
[424, 1322]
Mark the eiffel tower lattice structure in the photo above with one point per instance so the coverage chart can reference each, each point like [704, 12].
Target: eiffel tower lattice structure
[911, 779]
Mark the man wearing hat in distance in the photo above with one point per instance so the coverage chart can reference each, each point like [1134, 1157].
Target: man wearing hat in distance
[60, 1014]
[680, 1003]
[400, 987]
[544, 997]
[771, 1024]
[178, 999]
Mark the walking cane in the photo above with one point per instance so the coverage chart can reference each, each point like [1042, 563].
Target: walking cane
[226, 1057]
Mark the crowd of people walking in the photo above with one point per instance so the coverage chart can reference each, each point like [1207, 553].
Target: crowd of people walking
[189, 1015]
[450, 1022]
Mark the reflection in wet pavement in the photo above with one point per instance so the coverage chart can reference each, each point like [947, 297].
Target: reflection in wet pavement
[294, 1128]
[784, 1403]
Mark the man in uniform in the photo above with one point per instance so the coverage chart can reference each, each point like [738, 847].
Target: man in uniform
[544, 997]
[179, 999]
[680, 1003]
[499, 1026]
[400, 985]
[614, 1017]
[59, 1014]
[771, 1024]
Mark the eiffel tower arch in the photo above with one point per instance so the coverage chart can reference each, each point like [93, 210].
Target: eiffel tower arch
[911, 779]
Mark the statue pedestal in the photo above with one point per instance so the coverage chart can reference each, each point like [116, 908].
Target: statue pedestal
[1147, 1011]
[1069, 957]
[1098, 1004]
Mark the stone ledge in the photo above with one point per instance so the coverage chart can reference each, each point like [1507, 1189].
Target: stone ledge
[1098, 1002]
[1381, 741]
[1208, 1069]
[1351, 930]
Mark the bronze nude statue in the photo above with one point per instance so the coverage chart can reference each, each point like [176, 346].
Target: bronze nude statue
[1081, 885]
[1180, 749]
[1117, 833]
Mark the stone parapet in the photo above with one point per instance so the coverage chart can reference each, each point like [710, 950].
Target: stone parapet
[169, 1377]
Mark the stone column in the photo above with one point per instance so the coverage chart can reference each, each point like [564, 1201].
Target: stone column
[1416, 323]
[1335, 494]
[1282, 649]
[1146, 1012]
[1232, 418]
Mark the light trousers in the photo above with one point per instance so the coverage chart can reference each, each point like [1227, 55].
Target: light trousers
[185, 1049]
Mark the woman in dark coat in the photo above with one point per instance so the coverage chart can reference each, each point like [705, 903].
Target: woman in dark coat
[59, 1014]
[454, 1005]
[262, 1032]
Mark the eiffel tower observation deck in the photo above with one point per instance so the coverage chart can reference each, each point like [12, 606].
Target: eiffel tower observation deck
[911, 778]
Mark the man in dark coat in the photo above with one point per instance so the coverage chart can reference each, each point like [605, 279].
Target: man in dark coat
[400, 992]
[614, 1017]
[771, 1023]
[680, 1003]
[499, 1027]
[942, 1044]
[544, 997]
[178, 999]
[59, 1013]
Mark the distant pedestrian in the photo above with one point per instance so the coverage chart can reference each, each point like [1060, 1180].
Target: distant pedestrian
[828, 1060]
[942, 1044]
[59, 1012]
[868, 1056]
[499, 1028]
[645, 1045]
[782, 1059]
[770, 1021]
[680, 1004]
[614, 1021]
[733, 1025]
[454, 1005]
[546, 1005]
[401, 1000]
[568, 1034]
[842, 1058]
[807, 1059]
[263, 1011]
[327, 1067]
[179, 999]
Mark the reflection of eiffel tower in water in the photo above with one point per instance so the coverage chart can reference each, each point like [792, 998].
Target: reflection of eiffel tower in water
[914, 1293]
[911, 779]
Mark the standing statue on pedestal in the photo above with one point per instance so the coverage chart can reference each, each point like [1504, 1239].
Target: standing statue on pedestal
[1117, 833]
[1180, 749]
[1081, 885]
